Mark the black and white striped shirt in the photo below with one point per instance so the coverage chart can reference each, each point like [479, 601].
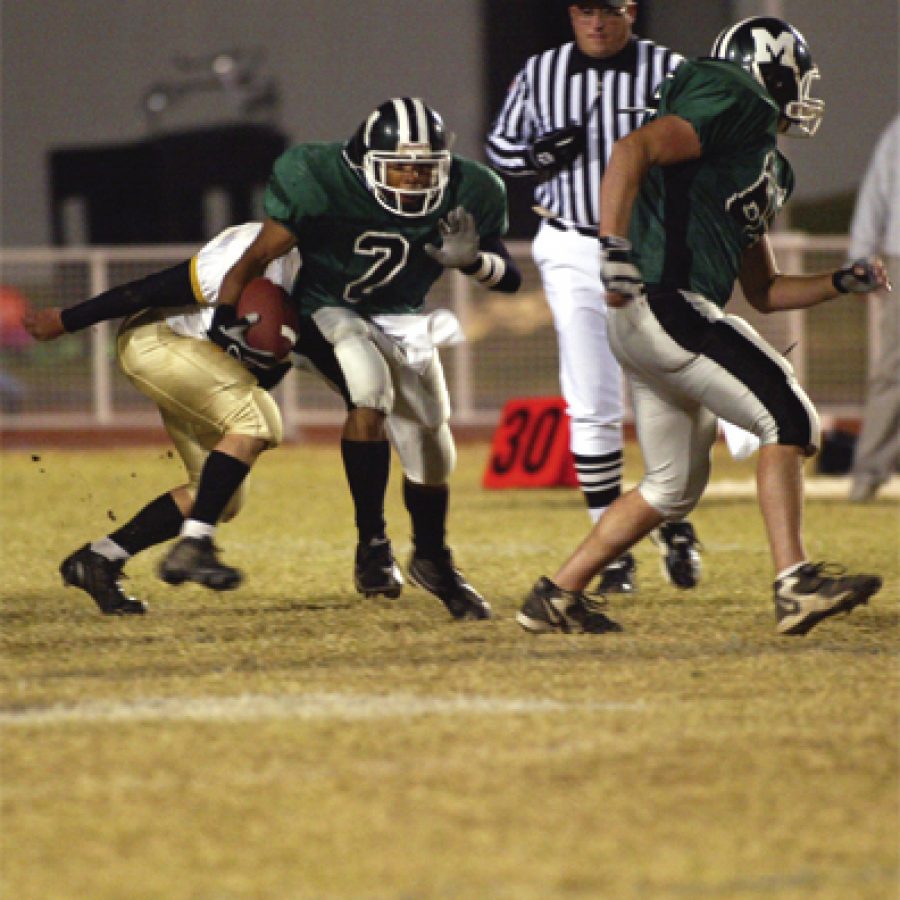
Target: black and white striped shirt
[561, 87]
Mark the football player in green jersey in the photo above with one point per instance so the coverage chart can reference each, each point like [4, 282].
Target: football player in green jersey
[685, 206]
[377, 220]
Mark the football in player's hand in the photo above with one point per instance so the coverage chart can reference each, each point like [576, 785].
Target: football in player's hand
[278, 325]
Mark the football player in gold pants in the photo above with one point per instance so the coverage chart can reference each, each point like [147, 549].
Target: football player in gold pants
[214, 404]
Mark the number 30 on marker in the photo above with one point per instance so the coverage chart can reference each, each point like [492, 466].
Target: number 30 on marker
[530, 447]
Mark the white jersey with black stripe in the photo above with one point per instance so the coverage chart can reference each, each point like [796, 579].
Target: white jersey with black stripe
[561, 87]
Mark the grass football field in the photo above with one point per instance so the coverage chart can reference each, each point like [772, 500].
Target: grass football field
[293, 740]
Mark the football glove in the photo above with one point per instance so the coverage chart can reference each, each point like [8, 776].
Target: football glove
[861, 276]
[271, 378]
[617, 272]
[557, 148]
[459, 240]
[227, 330]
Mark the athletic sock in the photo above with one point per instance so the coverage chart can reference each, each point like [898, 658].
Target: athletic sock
[194, 529]
[109, 549]
[427, 505]
[600, 479]
[790, 570]
[221, 476]
[160, 520]
[367, 465]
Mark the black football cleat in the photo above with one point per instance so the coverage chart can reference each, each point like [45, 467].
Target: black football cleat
[440, 577]
[618, 577]
[375, 571]
[679, 552]
[197, 560]
[816, 591]
[550, 608]
[98, 576]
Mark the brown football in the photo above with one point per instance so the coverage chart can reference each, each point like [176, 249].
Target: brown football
[278, 326]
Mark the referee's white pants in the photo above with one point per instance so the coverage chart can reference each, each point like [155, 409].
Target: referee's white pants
[589, 375]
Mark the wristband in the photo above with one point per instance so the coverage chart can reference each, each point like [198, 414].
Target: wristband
[488, 269]
[837, 280]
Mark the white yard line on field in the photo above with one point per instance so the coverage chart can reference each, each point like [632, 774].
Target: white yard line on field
[256, 707]
[818, 487]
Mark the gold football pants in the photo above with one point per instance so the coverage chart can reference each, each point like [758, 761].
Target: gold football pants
[202, 392]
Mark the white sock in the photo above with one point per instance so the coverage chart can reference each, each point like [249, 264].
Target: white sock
[194, 529]
[109, 549]
[790, 570]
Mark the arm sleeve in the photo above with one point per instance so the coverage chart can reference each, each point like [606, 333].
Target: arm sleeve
[513, 130]
[169, 288]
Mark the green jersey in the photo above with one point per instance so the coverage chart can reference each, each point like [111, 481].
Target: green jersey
[692, 222]
[354, 251]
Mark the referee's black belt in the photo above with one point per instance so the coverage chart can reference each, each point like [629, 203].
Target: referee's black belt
[559, 225]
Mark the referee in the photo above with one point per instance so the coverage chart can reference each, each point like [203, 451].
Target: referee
[564, 111]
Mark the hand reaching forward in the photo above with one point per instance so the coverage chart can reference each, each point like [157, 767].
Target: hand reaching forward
[459, 240]
[862, 276]
[44, 324]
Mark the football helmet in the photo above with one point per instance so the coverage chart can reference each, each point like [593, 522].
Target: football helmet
[778, 57]
[402, 134]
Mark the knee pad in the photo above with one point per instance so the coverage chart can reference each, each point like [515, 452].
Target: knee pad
[366, 373]
[427, 455]
[669, 505]
[257, 416]
[672, 499]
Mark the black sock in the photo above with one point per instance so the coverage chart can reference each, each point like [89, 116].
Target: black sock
[221, 476]
[160, 520]
[427, 505]
[367, 465]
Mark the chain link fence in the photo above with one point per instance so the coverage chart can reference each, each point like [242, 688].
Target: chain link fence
[74, 382]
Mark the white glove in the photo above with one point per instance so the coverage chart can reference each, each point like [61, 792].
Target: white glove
[861, 276]
[617, 272]
[459, 240]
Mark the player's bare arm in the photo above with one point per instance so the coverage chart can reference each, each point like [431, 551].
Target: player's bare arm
[662, 142]
[768, 290]
[273, 240]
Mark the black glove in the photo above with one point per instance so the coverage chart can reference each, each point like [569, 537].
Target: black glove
[617, 272]
[271, 378]
[861, 276]
[227, 330]
[557, 148]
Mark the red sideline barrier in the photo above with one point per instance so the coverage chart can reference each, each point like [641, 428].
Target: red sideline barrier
[530, 447]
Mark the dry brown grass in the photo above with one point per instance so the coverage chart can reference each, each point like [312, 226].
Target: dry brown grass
[293, 740]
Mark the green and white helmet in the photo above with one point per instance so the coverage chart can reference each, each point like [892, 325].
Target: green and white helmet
[778, 57]
[402, 131]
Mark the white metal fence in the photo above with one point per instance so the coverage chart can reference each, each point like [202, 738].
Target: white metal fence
[74, 382]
